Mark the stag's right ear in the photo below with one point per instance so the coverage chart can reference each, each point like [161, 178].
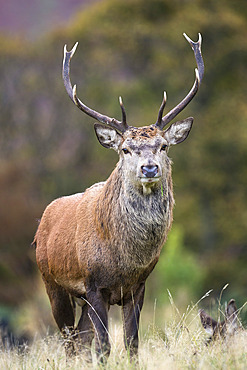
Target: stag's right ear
[107, 136]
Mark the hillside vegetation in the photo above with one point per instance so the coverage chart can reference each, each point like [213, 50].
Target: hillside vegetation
[132, 48]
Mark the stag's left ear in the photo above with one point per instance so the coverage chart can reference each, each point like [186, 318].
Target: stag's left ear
[208, 323]
[178, 131]
[107, 136]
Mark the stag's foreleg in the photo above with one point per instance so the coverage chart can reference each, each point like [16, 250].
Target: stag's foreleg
[131, 317]
[63, 313]
[84, 333]
[98, 314]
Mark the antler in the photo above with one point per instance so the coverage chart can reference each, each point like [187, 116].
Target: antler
[196, 47]
[119, 125]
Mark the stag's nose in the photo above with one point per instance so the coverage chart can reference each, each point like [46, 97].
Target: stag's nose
[149, 170]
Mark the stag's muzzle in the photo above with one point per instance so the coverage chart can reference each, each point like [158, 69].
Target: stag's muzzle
[150, 170]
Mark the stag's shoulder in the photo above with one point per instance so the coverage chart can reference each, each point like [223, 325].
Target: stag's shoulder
[96, 186]
[94, 190]
[66, 200]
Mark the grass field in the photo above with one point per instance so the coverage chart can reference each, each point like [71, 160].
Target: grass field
[178, 344]
[180, 348]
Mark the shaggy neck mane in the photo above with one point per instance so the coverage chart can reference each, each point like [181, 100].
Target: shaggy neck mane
[142, 221]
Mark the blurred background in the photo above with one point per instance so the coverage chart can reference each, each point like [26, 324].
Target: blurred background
[132, 48]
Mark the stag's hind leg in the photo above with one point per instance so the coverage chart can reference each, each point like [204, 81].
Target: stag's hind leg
[63, 313]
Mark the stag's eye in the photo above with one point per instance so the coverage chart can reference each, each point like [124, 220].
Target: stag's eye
[164, 146]
[126, 151]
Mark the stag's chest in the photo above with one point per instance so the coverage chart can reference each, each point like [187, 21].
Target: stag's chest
[144, 229]
[118, 276]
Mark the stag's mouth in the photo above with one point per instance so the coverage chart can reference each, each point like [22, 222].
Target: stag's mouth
[150, 180]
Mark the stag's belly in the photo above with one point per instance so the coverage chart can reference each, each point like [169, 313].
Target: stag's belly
[118, 279]
[117, 283]
[74, 286]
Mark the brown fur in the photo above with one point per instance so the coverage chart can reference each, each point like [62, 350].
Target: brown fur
[101, 245]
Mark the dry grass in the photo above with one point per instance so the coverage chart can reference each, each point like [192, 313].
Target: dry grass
[180, 344]
[178, 349]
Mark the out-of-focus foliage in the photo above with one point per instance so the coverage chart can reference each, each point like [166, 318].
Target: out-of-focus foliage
[132, 48]
[177, 271]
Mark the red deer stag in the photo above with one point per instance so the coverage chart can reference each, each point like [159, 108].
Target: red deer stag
[97, 248]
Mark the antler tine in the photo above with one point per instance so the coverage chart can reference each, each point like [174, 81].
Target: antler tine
[161, 110]
[196, 47]
[66, 67]
[123, 111]
[112, 122]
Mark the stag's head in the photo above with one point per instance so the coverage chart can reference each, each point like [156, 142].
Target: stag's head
[142, 150]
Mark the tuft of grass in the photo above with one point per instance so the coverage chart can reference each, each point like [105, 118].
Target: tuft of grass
[178, 344]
